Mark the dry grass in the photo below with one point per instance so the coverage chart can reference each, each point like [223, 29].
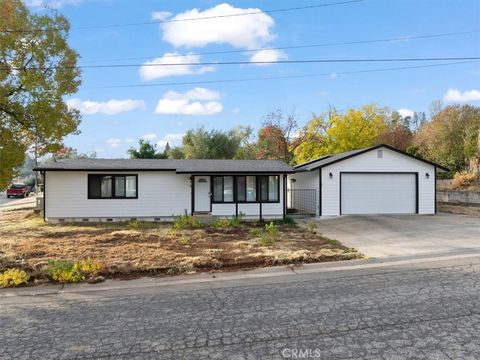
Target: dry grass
[27, 242]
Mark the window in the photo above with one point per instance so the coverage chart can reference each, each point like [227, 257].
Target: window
[246, 189]
[223, 188]
[112, 186]
[269, 188]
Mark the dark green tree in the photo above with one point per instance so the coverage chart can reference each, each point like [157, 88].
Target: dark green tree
[37, 70]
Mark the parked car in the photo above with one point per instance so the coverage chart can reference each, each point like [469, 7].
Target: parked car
[18, 190]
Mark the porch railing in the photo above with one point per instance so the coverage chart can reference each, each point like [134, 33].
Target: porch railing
[302, 201]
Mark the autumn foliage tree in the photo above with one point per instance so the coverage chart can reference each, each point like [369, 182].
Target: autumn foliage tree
[279, 137]
[336, 131]
[452, 138]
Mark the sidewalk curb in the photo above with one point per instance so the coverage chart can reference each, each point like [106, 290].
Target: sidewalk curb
[336, 268]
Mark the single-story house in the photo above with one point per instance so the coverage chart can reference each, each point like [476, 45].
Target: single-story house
[375, 180]
[156, 190]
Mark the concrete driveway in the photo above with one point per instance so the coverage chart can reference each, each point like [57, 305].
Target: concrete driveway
[403, 235]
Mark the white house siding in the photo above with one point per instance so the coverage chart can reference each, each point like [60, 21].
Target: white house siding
[369, 162]
[160, 194]
[305, 181]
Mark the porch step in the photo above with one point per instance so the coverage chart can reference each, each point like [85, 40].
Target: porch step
[203, 217]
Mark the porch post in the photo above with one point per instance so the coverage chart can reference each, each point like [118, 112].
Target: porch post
[192, 182]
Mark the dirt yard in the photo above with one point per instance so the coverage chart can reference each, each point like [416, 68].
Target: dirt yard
[131, 250]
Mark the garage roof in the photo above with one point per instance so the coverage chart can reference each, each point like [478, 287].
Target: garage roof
[334, 158]
[179, 166]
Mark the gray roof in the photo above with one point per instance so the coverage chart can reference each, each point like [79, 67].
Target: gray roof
[328, 159]
[334, 158]
[180, 166]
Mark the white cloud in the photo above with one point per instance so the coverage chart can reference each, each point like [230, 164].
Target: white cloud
[404, 113]
[268, 55]
[458, 96]
[110, 107]
[161, 15]
[172, 139]
[250, 31]
[129, 141]
[236, 110]
[153, 70]
[114, 143]
[149, 136]
[198, 101]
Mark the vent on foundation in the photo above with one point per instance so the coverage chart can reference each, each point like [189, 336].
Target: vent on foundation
[156, 219]
[61, 220]
[85, 220]
[109, 219]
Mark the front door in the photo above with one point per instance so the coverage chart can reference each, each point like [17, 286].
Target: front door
[202, 194]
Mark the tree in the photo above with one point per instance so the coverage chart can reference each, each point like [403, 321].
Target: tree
[146, 151]
[37, 69]
[279, 137]
[336, 132]
[215, 144]
[397, 132]
[451, 138]
[67, 152]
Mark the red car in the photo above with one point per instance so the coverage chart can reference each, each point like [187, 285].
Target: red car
[18, 190]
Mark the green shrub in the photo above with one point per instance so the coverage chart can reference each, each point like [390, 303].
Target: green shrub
[13, 277]
[266, 236]
[312, 226]
[66, 271]
[186, 222]
[287, 221]
[271, 230]
[133, 224]
[184, 240]
[236, 221]
[220, 223]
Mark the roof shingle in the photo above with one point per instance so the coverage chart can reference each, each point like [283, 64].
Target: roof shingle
[180, 166]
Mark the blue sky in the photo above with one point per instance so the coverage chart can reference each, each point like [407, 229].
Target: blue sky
[115, 118]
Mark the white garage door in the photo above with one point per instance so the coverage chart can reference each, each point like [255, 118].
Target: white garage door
[373, 193]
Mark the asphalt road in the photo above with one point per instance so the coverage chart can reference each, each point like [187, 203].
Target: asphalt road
[413, 311]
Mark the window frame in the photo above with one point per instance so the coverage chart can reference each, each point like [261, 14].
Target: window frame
[212, 189]
[113, 197]
[235, 189]
[268, 189]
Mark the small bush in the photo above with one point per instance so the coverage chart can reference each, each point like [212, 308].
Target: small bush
[133, 224]
[312, 226]
[66, 271]
[236, 221]
[463, 179]
[91, 267]
[220, 223]
[184, 240]
[186, 222]
[271, 230]
[13, 277]
[288, 221]
[266, 236]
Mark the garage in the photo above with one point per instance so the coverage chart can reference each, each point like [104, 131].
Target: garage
[378, 193]
[370, 181]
